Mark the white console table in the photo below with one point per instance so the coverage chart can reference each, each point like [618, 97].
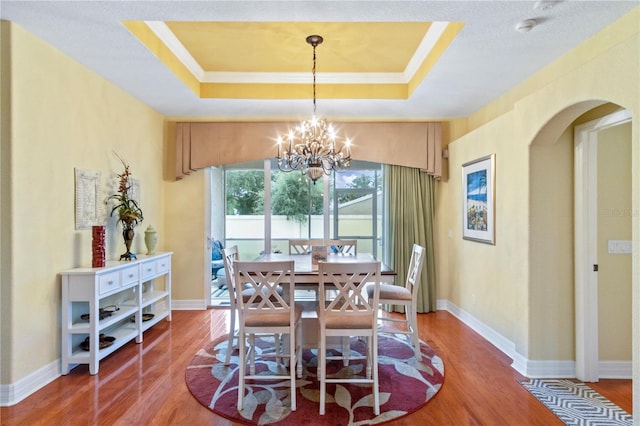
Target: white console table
[137, 287]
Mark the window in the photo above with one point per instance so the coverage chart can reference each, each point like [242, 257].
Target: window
[266, 207]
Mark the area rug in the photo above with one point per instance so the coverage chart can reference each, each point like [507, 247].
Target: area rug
[576, 403]
[406, 384]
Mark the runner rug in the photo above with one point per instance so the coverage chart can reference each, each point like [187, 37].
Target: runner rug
[406, 384]
[576, 403]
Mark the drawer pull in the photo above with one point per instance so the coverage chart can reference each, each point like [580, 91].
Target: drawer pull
[110, 282]
[130, 275]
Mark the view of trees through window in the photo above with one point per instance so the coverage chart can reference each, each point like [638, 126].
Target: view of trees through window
[293, 207]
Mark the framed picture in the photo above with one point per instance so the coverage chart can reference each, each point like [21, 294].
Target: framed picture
[478, 200]
[87, 191]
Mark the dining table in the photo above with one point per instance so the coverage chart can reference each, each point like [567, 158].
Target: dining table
[308, 278]
[306, 269]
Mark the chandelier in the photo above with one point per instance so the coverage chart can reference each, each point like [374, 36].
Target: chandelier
[311, 147]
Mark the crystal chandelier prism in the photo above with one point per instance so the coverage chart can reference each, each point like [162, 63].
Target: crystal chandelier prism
[312, 147]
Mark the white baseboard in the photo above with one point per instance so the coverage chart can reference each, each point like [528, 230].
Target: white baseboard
[550, 369]
[13, 393]
[615, 369]
[188, 305]
[488, 333]
[533, 368]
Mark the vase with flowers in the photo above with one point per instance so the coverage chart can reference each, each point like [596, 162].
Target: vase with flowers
[127, 209]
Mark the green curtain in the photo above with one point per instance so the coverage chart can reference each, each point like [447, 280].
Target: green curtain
[410, 201]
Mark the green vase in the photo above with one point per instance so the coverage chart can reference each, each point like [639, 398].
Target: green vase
[150, 239]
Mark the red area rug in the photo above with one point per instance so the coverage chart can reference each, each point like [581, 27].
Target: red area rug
[406, 384]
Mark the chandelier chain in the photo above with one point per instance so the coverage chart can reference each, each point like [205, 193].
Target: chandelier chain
[314, 78]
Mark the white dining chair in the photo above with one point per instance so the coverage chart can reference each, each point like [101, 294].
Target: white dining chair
[405, 296]
[342, 246]
[230, 255]
[347, 312]
[268, 311]
[303, 246]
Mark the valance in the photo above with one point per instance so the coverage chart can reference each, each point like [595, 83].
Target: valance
[204, 144]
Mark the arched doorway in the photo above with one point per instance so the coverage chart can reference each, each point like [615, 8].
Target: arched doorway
[597, 180]
[553, 323]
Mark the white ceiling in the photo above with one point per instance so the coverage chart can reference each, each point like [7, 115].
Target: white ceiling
[486, 59]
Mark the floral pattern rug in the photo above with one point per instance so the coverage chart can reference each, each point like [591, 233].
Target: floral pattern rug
[406, 384]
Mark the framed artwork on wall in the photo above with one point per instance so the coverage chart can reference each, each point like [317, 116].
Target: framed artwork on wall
[478, 200]
[88, 205]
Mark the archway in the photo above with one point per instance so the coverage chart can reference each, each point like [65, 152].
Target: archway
[553, 325]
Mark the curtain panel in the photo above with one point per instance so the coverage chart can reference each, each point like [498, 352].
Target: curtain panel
[411, 207]
[198, 145]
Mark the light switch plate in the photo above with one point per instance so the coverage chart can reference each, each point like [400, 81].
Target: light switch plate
[619, 247]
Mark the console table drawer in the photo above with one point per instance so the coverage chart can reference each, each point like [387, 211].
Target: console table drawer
[130, 275]
[109, 282]
[163, 265]
[148, 269]
[156, 267]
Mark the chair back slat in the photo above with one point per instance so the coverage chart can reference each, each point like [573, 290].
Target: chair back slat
[303, 246]
[415, 269]
[347, 283]
[343, 246]
[230, 255]
[265, 279]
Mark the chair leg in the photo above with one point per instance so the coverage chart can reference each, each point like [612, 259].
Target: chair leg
[292, 368]
[241, 368]
[412, 323]
[232, 332]
[278, 346]
[252, 354]
[322, 369]
[346, 350]
[369, 356]
[374, 364]
[299, 349]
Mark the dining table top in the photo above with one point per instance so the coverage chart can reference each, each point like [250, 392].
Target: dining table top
[306, 270]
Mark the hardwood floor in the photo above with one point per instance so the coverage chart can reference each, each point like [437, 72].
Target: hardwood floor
[143, 384]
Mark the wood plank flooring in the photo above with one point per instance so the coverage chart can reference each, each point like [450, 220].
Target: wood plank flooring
[143, 384]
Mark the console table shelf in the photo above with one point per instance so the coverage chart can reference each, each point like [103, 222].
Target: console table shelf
[136, 288]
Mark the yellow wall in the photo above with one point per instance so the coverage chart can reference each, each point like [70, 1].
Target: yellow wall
[186, 235]
[496, 283]
[552, 278]
[62, 117]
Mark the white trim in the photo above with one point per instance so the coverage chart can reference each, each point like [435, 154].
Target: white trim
[551, 369]
[616, 369]
[162, 31]
[488, 333]
[434, 33]
[524, 366]
[188, 305]
[13, 393]
[431, 37]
